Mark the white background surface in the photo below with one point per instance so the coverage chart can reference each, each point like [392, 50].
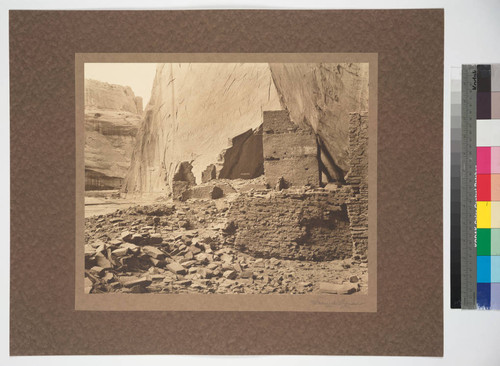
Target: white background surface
[472, 35]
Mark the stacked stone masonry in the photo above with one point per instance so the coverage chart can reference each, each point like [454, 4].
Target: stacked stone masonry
[289, 151]
[358, 179]
[311, 224]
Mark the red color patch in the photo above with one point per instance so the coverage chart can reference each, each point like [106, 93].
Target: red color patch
[484, 187]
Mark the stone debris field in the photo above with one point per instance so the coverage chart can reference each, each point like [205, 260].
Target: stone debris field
[188, 247]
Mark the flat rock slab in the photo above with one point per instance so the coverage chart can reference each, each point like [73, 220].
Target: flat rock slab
[153, 252]
[102, 261]
[120, 252]
[138, 282]
[176, 268]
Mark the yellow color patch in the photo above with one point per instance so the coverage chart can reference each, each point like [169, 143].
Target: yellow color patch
[484, 215]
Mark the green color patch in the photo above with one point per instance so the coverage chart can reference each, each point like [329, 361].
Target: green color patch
[483, 241]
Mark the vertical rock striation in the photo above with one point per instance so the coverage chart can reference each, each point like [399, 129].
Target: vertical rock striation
[196, 112]
[321, 96]
[112, 119]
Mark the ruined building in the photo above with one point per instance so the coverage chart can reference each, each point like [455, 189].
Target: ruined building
[306, 221]
[316, 224]
[289, 151]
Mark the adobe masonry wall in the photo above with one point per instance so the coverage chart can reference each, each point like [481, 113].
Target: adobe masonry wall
[289, 151]
[314, 225]
[357, 178]
[281, 224]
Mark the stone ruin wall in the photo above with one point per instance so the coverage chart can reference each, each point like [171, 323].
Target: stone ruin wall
[306, 226]
[289, 151]
[358, 179]
[321, 224]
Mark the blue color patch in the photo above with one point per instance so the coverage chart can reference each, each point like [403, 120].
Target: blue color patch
[483, 295]
[483, 269]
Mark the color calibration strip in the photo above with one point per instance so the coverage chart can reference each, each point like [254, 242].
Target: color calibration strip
[488, 186]
[475, 187]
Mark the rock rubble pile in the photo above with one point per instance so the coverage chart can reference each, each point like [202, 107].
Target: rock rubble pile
[188, 247]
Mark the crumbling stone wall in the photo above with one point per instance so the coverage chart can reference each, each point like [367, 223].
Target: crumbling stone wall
[318, 224]
[313, 225]
[358, 179]
[182, 180]
[289, 151]
[210, 173]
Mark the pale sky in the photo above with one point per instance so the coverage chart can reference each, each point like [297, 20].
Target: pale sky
[139, 76]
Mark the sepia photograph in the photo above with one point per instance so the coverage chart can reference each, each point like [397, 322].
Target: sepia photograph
[226, 178]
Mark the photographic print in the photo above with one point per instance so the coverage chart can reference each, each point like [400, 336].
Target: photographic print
[244, 182]
[239, 182]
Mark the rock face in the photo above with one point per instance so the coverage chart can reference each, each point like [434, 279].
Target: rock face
[112, 119]
[194, 112]
[321, 96]
[198, 111]
[102, 95]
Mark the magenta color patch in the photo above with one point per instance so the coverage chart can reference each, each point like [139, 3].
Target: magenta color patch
[483, 159]
[495, 160]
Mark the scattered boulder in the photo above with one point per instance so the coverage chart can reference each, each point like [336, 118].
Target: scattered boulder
[230, 274]
[138, 282]
[98, 271]
[102, 261]
[153, 252]
[176, 268]
[150, 252]
[120, 252]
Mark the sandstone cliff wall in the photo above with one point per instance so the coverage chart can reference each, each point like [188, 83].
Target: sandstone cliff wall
[196, 110]
[321, 96]
[103, 95]
[111, 123]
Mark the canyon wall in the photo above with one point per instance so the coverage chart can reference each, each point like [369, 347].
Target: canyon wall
[193, 115]
[321, 96]
[197, 110]
[112, 119]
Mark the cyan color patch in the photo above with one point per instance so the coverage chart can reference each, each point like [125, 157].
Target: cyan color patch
[495, 269]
